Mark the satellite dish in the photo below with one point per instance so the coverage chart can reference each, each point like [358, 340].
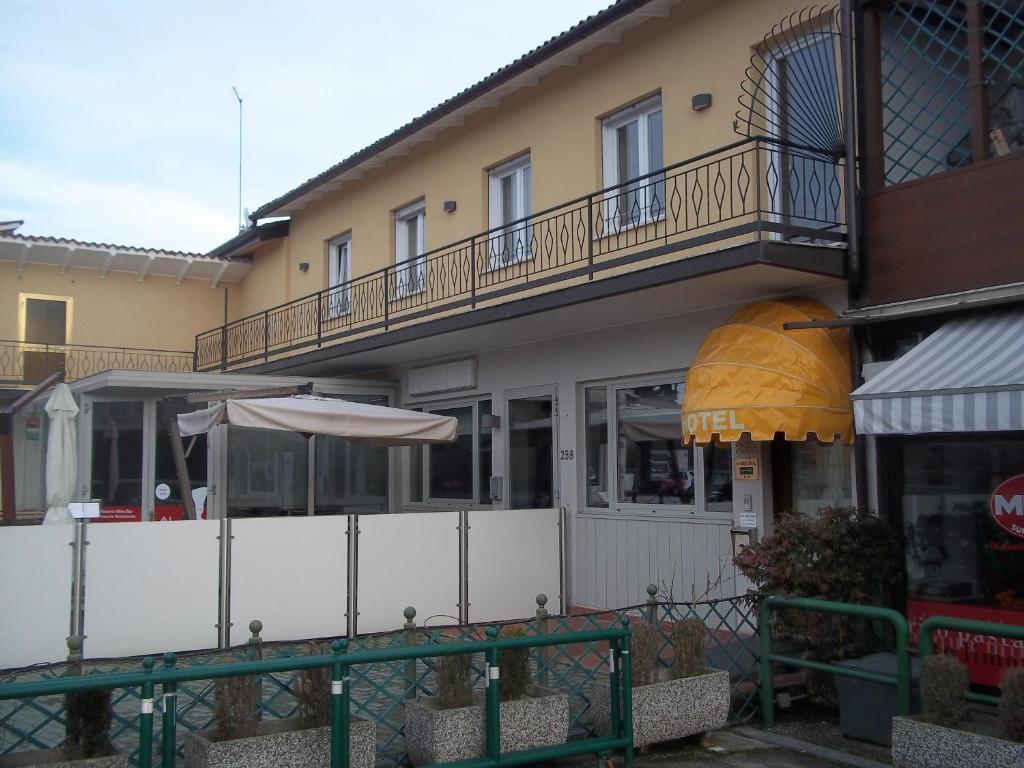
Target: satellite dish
[246, 215]
[792, 86]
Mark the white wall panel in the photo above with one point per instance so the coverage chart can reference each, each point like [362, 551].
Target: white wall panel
[513, 557]
[35, 594]
[407, 559]
[150, 587]
[291, 573]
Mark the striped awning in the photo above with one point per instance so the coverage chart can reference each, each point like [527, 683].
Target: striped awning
[968, 376]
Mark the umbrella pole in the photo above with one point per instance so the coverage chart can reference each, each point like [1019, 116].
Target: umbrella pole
[181, 467]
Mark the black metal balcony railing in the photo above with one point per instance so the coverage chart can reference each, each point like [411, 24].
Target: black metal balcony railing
[23, 362]
[758, 188]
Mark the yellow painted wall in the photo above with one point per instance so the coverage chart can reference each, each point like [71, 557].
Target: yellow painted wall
[704, 46]
[116, 310]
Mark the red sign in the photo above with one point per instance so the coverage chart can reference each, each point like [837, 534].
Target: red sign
[1007, 505]
[986, 657]
[128, 514]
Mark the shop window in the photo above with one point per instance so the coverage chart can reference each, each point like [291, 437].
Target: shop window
[718, 475]
[531, 442]
[596, 417]
[117, 436]
[167, 492]
[509, 200]
[821, 475]
[653, 466]
[410, 264]
[351, 477]
[634, 148]
[456, 472]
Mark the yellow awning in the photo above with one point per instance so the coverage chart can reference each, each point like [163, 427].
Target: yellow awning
[752, 376]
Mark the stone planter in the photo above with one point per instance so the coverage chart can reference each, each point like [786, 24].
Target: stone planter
[435, 735]
[54, 758]
[669, 709]
[916, 743]
[280, 744]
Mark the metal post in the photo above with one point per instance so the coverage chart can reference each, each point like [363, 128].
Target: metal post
[765, 682]
[472, 270]
[266, 335]
[652, 604]
[627, 694]
[463, 567]
[544, 652]
[615, 700]
[590, 236]
[170, 716]
[224, 346]
[387, 298]
[78, 577]
[146, 718]
[224, 606]
[492, 707]
[339, 707]
[563, 570]
[319, 318]
[978, 87]
[410, 664]
[352, 605]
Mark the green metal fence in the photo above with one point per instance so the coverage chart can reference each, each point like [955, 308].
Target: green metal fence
[379, 690]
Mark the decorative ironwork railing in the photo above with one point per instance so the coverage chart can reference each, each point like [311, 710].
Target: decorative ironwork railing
[23, 362]
[757, 188]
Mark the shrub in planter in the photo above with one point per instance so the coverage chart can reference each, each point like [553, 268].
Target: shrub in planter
[1011, 705]
[946, 735]
[240, 739]
[451, 725]
[669, 703]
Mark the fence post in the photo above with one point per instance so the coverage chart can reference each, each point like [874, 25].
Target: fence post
[387, 308]
[472, 270]
[493, 681]
[463, 567]
[146, 718]
[765, 681]
[410, 639]
[78, 581]
[339, 707]
[224, 347]
[352, 598]
[652, 604]
[319, 318]
[627, 694]
[563, 571]
[224, 570]
[614, 699]
[266, 335]
[254, 645]
[590, 237]
[170, 716]
[544, 652]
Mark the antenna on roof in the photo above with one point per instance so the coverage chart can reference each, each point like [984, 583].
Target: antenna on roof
[241, 218]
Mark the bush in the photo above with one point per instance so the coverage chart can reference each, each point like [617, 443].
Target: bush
[89, 716]
[236, 706]
[313, 694]
[515, 668]
[646, 646]
[688, 639]
[454, 689]
[1011, 705]
[944, 689]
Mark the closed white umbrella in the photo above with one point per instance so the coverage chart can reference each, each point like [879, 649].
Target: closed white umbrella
[61, 458]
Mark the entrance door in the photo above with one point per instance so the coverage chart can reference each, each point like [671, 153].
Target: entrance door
[532, 479]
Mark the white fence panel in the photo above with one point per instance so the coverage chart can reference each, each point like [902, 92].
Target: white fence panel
[150, 587]
[407, 559]
[513, 556]
[35, 594]
[291, 573]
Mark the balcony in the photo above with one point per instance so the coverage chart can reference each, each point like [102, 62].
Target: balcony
[755, 191]
[26, 363]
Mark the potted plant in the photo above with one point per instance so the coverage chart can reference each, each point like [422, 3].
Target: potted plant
[947, 735]
[87, 744]
[241, 739]
[669, 702]
[451, 725]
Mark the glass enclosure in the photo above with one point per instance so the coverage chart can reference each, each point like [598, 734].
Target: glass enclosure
[117, 458]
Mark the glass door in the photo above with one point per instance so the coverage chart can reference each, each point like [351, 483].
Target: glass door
[532, 415]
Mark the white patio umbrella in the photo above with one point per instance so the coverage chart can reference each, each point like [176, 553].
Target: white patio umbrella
[61, 458]
[378, 425]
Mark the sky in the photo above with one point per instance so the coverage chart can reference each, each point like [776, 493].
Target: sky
[118, 123]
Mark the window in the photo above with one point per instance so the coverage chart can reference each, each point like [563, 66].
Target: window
[410, 264]
[509, 201]
[339, 298]
[635, 460]
[459, 471]
[45, 324]
[634, 148]
[351, 477]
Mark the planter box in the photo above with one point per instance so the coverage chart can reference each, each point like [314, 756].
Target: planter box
[866, 709]
[916, 743]
[280, 744]
[669, 709]
[54, 758]
[435, 735]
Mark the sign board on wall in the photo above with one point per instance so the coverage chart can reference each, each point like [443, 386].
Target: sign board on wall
[1007, 505]
[746, 469]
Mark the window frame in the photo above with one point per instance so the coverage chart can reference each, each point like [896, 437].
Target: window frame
[700, 509]
[339, 281]
[520, 168]
[24, 298]
[418, 263]
[640, 112]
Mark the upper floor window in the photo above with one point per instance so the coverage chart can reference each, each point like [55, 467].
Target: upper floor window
[410, 264]
[509, 202]
[339, 297]
[634, 148]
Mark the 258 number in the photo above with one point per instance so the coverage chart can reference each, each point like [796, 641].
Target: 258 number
[567, 455]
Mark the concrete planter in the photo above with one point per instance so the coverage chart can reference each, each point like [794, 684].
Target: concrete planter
[916, 743]
[54, 758]
[280, 744]
[669, 709]
[435, 735]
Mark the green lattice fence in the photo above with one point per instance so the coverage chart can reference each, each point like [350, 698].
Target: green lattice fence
[380, 690]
